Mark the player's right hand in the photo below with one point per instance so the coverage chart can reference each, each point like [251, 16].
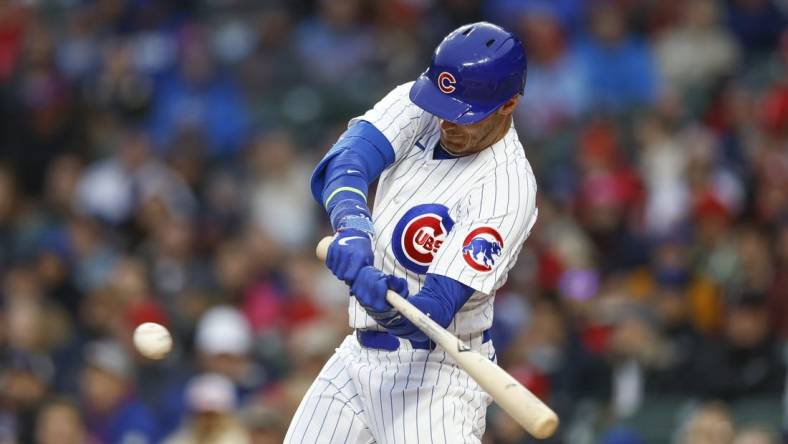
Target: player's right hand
[350, 251]
[370, 290]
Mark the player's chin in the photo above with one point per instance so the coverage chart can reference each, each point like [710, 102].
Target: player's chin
[456, 145]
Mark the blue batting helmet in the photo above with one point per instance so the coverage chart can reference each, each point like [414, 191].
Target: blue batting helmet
[474, 70]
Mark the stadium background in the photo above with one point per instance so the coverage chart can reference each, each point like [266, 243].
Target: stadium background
[154, 166]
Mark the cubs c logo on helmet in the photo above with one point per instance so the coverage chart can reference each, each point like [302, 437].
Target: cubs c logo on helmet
[481, 248]
[419, 234]
[446, 82]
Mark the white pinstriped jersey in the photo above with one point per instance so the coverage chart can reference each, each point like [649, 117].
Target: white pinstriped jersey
[465, 218]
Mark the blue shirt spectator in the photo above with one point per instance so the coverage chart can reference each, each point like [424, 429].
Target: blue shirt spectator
[619, 69]
[333, 44]
[197, 98]
[130, 422]
[214, 108]
[114, 413]
[557, 92]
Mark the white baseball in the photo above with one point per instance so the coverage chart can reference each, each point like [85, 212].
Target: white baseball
[152, 340]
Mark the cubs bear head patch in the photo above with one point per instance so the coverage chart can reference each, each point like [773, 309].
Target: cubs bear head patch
[419, 234]
[482, 247]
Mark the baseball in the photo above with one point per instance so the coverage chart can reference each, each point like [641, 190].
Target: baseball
[152, 340]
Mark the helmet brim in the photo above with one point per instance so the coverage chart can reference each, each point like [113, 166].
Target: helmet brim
[428, 97]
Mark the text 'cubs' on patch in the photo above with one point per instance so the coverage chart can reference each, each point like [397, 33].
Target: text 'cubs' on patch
[481, 247]
[419, 234]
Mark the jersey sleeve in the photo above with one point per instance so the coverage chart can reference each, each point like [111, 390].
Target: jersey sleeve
[490, 228]
[397, 118]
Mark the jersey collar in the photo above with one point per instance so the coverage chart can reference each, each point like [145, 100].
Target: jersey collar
[439, 152]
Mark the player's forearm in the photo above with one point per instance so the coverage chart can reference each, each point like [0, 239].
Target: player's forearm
[345, 193]
[353, 163]
[346, 178]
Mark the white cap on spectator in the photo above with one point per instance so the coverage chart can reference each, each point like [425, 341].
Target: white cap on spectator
[224, 330]
[210, 392]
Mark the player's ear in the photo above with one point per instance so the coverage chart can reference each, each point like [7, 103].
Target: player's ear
[508, 107]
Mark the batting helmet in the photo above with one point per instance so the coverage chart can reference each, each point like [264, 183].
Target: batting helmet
[474, 70]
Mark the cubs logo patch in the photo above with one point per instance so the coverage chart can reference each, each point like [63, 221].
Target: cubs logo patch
[446, 82]
[419, 234]
[481, 248]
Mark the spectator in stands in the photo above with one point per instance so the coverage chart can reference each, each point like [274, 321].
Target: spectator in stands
[10, 199]
[663, 165]
[710, 424]
[676, 373]
[59, 422]
[114, 189]
[113, 413]
[699, 51]
[25, 379]
[264, 423]
[224, 345]
[41, 118]
[756, 23]
[750, 360]
[277, 170]
[198, 98]
[211, 401]
[754, 435]
[558, 92]
[334, 41]
[618, 67]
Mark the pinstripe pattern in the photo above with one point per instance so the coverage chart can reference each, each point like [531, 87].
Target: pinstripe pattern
[495, 187]
[411, 396]
[332, 396]
[407, 396]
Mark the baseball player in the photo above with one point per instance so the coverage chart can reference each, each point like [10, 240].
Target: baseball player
[455, 201]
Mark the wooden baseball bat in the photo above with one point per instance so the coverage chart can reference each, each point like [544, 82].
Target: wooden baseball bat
[522, 405]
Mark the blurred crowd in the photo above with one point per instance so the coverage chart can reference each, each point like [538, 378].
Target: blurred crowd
[154, 162]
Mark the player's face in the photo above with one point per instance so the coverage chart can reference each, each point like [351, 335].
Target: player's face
[475, 137]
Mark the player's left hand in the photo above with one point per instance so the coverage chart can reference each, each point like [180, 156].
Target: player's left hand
[348, 253]
[370, 289]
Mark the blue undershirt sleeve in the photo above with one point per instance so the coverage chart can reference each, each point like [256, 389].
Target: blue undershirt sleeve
[341, 180]
[441, 298]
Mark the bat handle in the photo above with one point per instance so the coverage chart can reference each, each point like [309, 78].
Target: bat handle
[322, 247]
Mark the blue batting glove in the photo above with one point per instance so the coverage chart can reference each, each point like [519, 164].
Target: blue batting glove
[392, 320]
[370, 288]
[398, 285]
[350, 251]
